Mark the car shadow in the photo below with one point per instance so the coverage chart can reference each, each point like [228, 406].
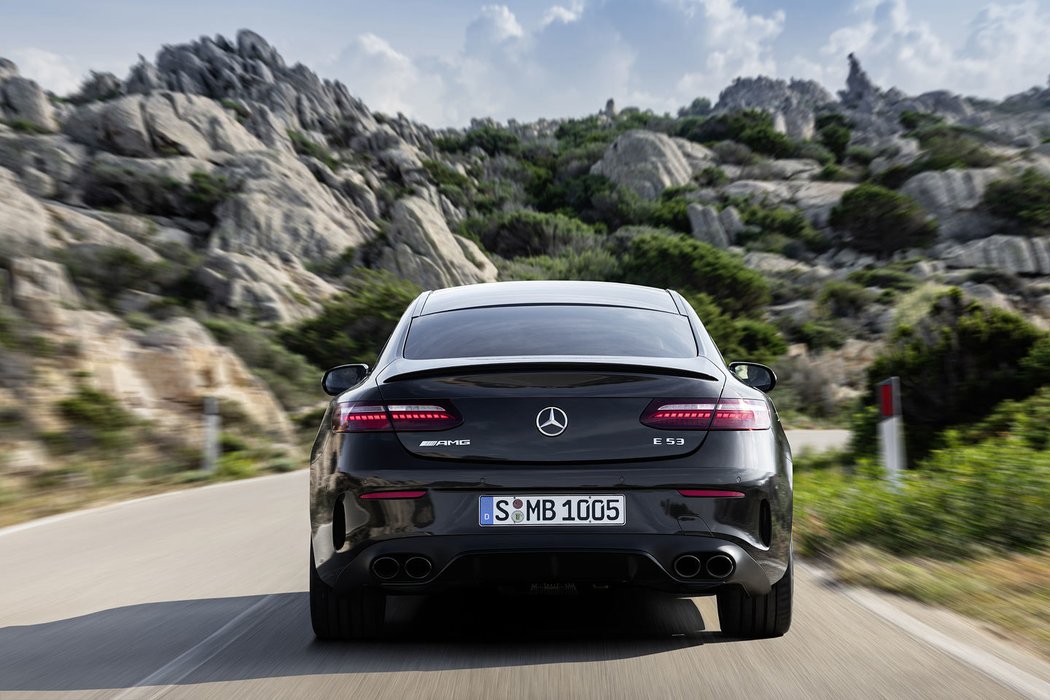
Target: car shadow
[121, 647]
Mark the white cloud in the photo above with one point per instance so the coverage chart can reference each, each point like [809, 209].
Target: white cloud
[654, 53]
[52, 71]
[1004, 52]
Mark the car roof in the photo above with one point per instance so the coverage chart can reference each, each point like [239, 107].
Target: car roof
[562, 292]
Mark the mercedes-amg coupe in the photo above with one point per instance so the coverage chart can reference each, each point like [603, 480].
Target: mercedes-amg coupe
[582, 435]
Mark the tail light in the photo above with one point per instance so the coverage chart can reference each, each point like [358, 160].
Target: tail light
[364, 416]
[392, 495]
[707, 414]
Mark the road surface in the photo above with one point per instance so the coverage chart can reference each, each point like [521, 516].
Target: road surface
[200, 594]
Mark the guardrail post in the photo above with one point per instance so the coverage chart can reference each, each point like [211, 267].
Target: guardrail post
[891, 433]
[212, 426]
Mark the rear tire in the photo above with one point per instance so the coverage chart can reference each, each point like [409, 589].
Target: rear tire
[357, 614]
[757, 616]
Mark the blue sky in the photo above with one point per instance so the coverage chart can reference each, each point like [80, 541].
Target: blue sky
[445, 62]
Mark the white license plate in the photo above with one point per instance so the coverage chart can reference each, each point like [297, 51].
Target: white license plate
[551, 510]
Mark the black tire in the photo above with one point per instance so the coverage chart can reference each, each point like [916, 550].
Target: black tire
[757, 616]
[355, 615]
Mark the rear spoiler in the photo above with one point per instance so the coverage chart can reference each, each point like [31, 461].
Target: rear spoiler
[403, 370]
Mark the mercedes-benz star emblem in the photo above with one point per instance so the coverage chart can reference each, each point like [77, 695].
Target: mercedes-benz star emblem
[552, 421]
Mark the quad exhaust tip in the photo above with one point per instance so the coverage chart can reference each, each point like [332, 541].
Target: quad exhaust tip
[418, 567]
[720, 566]
[687, 566]
[385, 568]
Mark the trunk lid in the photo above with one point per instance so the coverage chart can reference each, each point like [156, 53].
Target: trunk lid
[554, 410]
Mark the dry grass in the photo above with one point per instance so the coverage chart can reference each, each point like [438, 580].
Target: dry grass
[1011, 592]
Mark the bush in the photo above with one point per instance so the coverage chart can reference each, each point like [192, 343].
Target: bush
[451, 183]
[1024, 200]
[96, 419]
[353, 325]
[790, 223]
[700, 107]
[598, 265]
[493, 140]
[964, 498]
[524, 233]
[882, 221]
[738, 339]
[594, 199]
[686, 264]
[844, 299]
[884, 278]
[956, 364]
[834, 132]
[751, 127]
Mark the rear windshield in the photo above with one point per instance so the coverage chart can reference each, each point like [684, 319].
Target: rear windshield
[502, 331]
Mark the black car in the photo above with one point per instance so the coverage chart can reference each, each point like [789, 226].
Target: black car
[584, 434]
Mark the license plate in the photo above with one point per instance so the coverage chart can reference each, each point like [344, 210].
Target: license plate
[551, 510]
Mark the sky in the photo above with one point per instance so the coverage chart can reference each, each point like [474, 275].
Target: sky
[444, 62]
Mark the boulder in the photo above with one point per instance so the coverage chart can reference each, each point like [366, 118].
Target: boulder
[22, 99]
[42, 290]
[1015, 255]
[954, 197]
[814, 199]
[48, 165]
[24, 223]
[79, 230]
[783, 169]
[423, 250]
[161, 124]
[259, 290]
[279, 210]
[792, 105]
[707, 226]
[648, 163]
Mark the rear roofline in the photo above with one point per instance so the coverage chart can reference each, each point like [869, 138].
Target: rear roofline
[562, 293]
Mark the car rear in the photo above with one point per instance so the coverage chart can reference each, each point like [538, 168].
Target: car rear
[534, 444]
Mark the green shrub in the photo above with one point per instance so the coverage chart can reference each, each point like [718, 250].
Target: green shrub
[451, 183]
[738, 339]
[525, 233]
[751, 127]
[671, 210]
[493, 140]
[951, 148]
[790, 223]
[963, 499]
[699, 107]
[834, 132]
[712, 176]
[598, 265]
[882, 221]
[955, 365]
[205, 192]
[911, 120]
[1024, 200]
[353, 325]
[844, 299]
[96, 419]
[686, 264]
[305, 146]
[26, 127]
[885, 278]
[235, 465]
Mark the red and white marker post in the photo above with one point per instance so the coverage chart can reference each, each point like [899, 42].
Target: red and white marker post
[891, 428]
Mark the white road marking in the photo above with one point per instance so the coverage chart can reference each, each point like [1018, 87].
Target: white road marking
[997, 669]
[160, 681]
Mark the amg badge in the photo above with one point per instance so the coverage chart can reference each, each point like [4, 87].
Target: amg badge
[444, 443]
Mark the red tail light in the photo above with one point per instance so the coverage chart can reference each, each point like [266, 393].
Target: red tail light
[710, 493]
[363, 416]
[707, 414]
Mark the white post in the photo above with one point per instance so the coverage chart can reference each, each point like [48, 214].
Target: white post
[212, 426]
[891, 433]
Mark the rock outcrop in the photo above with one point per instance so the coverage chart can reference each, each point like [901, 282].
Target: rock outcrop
[258, 290]
[1016, 255]
[159, 125]
[648, 162]
[422, 249]
[793, 105]
[22, 100]
[24, 224]
[953, 196]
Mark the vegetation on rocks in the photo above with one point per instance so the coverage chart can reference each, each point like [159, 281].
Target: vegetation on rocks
[881, 221]
[1024, 200]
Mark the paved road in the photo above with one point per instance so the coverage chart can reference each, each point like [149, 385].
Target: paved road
[200, 594]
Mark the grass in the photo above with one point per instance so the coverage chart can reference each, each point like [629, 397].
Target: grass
[1009, 591]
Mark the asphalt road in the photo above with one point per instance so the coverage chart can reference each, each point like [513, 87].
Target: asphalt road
[201, 594]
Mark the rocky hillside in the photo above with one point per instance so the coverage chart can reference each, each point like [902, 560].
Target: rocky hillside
[221, 223]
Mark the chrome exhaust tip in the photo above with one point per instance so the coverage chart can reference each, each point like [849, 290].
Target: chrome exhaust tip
[385, 568]
[418, 567]
[687, 566]
[720, 565]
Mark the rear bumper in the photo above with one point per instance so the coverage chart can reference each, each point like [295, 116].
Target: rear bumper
[625, 559]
